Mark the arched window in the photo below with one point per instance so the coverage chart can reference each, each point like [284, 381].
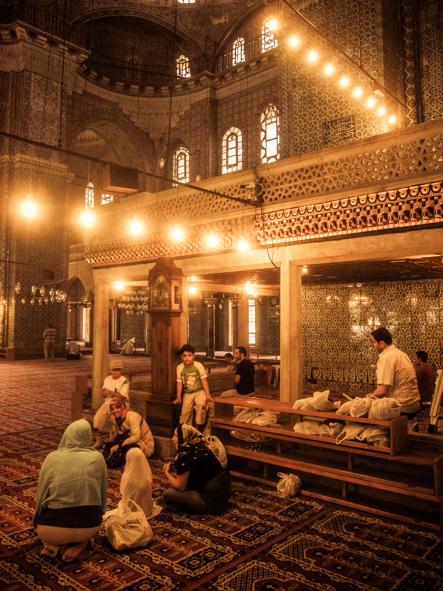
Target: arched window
[232, 150]
[270, 135]
[268, 40]
[89, 195]
[238, 51]
[183, 69]
[181, 165]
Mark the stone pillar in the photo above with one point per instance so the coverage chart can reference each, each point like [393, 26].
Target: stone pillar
[184, 318]
[291, 353]
[100, 354]
[243, 321]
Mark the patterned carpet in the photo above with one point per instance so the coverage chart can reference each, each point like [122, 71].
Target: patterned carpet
[263, 542]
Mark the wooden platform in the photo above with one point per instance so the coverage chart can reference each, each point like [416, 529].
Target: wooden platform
[392, 481]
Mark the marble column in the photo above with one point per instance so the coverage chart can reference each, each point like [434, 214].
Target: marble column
[291, 352]
[100, 353]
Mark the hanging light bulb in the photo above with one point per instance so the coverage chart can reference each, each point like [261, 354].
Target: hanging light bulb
[243, 244]
[87, 217]
[344, 81]
[177, 233]
[357, 92]
[192, 290]
[392, 119]
[294, 41]
[329, 69]
[29, 208]
[212, 240]
[312, 56]
[136, 226]
[370, 102]
[119, 285]
[381, 111]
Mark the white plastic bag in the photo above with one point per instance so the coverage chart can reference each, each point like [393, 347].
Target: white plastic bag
[304, 404]
[307, 427]
[330, 429]
[321, 401]
[384, 409]
[218, 449]
[360, 407]
[246, 415]
[128, 527]
[373, 434]
[288, 485]
[345, 408]
[350, 431]
[265, 418]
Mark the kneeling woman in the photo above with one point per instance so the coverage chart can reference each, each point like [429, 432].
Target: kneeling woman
[199, 483]
[71, 494]
[129, 427]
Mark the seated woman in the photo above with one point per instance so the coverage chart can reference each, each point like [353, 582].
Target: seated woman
[71, 494]
[199, 483]
[129, 422]
[136, 482]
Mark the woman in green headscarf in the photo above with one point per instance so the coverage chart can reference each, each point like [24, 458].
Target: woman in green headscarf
[71, 494]
[198, 482]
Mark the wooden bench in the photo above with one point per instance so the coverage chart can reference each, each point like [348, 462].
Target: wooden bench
[390, 481]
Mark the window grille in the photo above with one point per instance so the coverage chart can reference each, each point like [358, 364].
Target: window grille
[183, 69]
[232, 150]
[181, 165]
[238, 51]
[270, 135]
[89, 195]
[268, 40]
[339, 131]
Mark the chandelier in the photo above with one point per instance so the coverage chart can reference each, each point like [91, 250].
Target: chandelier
[134, 302]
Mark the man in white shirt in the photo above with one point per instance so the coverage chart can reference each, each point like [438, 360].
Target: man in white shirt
[113, 384]
[396, 376]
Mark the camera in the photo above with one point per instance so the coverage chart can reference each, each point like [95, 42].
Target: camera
[248, 185]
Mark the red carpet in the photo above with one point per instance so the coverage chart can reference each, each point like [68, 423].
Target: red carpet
[262, 542]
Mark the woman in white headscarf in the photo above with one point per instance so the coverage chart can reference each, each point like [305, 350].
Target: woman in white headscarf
[71, 494]
[136, 482]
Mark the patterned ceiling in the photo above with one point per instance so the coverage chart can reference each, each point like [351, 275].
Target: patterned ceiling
[430, 267]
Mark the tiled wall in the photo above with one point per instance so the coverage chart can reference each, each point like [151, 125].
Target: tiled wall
[338, 320]
[337, 323]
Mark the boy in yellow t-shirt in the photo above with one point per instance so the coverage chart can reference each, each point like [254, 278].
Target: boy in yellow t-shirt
[192, 388]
